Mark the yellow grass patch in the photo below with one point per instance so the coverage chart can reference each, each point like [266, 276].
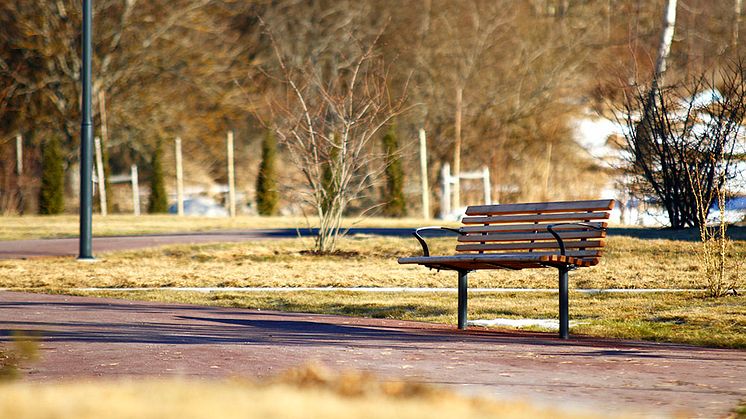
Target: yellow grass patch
[307, 393]
[368, 262]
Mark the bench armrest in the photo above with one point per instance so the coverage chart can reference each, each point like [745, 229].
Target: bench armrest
[425, 250]
[550, 229]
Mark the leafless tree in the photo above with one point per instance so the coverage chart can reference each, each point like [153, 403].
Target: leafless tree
[682, 141]
[328, 123]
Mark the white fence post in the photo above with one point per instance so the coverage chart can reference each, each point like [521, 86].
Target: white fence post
[19, 154]
[135, 190]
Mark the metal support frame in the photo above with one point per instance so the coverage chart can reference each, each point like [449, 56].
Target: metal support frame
[425, 249]
[564, 307]
[463, 285]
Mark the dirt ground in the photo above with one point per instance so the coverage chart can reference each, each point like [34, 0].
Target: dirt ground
[89, 337]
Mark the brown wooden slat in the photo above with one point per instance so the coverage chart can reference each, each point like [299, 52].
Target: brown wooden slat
[485, 266]
[570, 244]
[573, 253]
[497, 258]
[514, 237]
[501, 219]
[543, 207]
[574, 261]
[515, 228]
[493, 262]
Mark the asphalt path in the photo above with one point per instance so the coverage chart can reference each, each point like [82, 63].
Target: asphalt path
[24, 249]
[88, 338]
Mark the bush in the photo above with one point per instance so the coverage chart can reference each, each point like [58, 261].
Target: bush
[52, 192]
[158, 202]
[266, 181]
[393, 192]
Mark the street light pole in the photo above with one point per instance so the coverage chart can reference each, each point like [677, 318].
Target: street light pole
[86, 140]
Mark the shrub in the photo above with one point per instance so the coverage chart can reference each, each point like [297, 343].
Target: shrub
[393, 191]
[52, 192]
[266, 181]
[158, 202]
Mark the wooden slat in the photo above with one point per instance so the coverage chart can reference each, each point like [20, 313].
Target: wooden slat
[574, 244]
[515, 228]
[543, 207]
[496, 261]
[574, 253]
[501, 219]
[574, 261]
[516, 237]
[515, 257]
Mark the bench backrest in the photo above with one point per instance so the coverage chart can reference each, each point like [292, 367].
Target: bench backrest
[512, 228]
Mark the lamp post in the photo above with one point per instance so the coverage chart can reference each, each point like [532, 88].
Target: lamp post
[86, 140]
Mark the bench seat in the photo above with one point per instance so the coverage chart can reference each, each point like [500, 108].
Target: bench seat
[498, 261]
[564, 235]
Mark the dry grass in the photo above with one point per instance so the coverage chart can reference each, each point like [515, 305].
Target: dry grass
[370, 261]
[307, 393]
[740, 411]
[60, 226]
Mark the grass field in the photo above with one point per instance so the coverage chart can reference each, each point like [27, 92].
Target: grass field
[307, 393]
[371, 261]
[367, 261]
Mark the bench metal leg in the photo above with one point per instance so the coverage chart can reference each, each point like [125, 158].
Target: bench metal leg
[462, 298]
[564, 310]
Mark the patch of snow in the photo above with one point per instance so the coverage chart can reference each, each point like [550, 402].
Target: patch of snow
[521, 323]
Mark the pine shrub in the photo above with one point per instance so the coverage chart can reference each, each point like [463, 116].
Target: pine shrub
[52, 192]
[393, 192]
[158, 202]
[266, 181]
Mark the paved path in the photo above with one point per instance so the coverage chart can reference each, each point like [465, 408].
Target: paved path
[23, 249]
[89, 337]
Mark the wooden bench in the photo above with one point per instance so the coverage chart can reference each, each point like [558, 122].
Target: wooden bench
[564, 235]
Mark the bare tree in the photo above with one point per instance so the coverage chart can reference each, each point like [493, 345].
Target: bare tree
[327, 125]
[685, 136]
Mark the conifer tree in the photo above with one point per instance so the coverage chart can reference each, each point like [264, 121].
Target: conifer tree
[393, 192]
[52, 192]
[266, 181]
[158, 202]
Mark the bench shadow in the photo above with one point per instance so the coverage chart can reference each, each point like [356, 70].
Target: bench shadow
[220, 326]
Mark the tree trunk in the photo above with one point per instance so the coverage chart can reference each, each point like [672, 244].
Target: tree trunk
[664, 47]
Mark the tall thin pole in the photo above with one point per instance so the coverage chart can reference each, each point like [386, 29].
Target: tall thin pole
[423, 175]
[102, 113]
[231, 177]
[86, 140]
[445, 191]
[487, 185]
[179, 178]
[457, 153]
[19, 155]
[100, 175]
